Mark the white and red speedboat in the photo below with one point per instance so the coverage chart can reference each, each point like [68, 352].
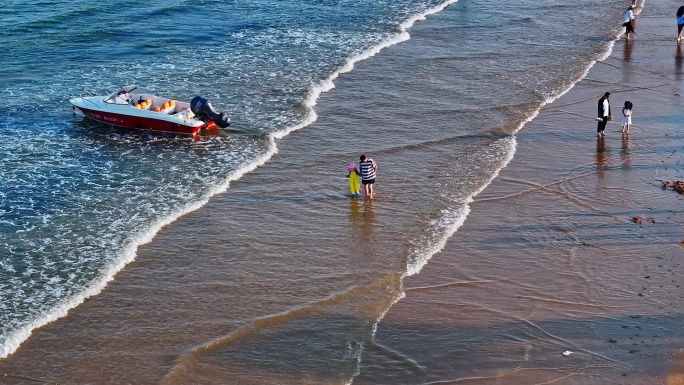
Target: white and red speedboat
[131, 108]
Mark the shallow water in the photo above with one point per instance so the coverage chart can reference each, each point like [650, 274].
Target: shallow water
[283, 253]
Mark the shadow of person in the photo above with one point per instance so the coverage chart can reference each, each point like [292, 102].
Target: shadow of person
[679, 60]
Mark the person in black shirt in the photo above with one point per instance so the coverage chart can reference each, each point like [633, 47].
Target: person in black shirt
[603, 114]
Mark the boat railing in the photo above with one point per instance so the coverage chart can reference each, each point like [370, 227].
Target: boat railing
[90, 101]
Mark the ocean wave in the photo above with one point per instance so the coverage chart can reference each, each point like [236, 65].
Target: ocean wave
[96, 257]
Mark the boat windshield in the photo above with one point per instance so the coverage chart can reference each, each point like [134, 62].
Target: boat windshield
[121, 96]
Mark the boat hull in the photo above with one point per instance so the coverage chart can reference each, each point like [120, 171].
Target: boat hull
[140, 122]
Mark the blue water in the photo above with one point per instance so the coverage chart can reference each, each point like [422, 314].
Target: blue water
[78, 197]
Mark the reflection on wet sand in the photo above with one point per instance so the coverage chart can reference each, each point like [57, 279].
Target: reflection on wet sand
[627, 56]
[363, 218]
[601, 161]
[354, 212]
[624, 152]
[678, 62]
[368, 216]
[601, 154]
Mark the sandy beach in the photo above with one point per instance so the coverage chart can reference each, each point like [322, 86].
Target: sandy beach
[285, 280]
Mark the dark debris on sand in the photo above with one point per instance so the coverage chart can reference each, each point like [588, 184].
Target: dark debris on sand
[678, 186]
[640, 220]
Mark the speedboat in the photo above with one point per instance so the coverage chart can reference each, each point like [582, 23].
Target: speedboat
[131, 108]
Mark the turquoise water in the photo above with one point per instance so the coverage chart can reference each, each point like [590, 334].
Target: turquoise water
[78, 197]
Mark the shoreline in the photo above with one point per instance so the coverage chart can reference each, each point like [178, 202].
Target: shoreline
[413, 268]
[571, 154]
[224, 227]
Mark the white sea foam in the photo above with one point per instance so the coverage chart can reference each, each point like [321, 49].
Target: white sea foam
[448, 224]
[401, 37]
[450, 221]
[327, 84]
[12, 340]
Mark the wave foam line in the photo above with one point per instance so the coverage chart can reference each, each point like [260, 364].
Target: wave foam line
[14, 339]
[327, 84]
[454, 220]
[185, 362]
[412, 269]
[10, 343]
[458, 222]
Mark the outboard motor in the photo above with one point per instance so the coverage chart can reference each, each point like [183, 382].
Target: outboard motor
[204, 111]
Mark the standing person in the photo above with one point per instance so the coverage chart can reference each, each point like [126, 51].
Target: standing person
[603, 114]
[626, 117]
[368, 170]
[629, 22]
[680, 22]
[353, 175]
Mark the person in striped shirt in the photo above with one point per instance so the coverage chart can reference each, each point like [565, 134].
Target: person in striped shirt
[368, 169]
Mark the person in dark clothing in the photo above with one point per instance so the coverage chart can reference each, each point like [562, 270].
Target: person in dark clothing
[603, 114]
[680, 22]
[368, 170]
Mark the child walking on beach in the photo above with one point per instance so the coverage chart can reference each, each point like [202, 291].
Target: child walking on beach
[626, 117]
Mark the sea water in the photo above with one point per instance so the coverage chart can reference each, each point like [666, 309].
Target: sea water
[79, 197]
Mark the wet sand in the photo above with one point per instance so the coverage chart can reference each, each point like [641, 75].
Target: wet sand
[550, 260]
[282, 280]
[676, 375]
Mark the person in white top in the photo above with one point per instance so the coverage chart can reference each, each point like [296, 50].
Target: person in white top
[626, 117]
[629, 21]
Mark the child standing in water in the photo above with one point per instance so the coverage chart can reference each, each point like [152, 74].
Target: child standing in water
[354, 184]
[626, 117]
